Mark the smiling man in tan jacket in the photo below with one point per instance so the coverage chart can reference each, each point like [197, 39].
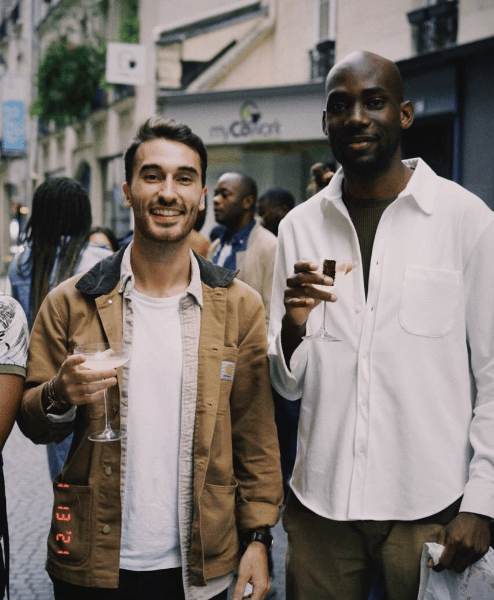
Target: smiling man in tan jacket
[165, 512]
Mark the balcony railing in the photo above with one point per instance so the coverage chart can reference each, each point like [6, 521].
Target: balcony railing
[321, 59]
[434, 27]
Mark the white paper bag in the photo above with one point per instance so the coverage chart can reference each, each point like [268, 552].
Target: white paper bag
[475, 583]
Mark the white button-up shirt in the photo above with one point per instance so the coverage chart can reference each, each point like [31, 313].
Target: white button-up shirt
[397, 419]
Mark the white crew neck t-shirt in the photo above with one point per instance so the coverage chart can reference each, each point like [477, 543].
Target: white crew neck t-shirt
[150, 534]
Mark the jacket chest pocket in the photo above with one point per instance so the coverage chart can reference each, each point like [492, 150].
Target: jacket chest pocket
[429, 300]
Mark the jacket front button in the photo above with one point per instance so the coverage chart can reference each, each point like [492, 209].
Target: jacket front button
[108, 470]
[106, 529]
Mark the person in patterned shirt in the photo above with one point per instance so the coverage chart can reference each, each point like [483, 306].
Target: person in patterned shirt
[13, 358]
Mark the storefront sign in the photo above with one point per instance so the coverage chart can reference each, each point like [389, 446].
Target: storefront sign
[240, 117]
[249, 126]
[126, 63]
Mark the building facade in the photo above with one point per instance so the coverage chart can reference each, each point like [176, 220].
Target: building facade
[248, 77]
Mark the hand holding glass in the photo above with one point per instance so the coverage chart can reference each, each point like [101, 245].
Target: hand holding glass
[336, 269]
[103, 356]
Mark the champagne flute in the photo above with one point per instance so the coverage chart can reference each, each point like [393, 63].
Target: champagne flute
[102, 356]
[336, 269]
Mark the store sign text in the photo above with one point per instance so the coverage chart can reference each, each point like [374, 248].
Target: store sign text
[249, 125]
[241, 129]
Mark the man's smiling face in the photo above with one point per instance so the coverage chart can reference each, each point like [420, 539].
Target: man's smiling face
[364, 114]
[166, 192]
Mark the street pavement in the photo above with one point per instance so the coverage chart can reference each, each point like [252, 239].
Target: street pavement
[29, 504]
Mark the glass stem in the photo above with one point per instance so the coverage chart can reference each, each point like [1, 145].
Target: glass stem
[107, 422]
[324, 315]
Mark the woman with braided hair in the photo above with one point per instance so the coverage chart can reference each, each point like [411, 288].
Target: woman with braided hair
[56, 246]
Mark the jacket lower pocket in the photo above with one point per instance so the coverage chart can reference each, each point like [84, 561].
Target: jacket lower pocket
[219, 531]
[68, 540]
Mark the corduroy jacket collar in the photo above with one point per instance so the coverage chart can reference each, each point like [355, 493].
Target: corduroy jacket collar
[105, 275]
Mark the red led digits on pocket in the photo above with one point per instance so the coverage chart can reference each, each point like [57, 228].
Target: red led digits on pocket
[63, 514]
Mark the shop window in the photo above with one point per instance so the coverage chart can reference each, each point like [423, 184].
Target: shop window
[434, 26]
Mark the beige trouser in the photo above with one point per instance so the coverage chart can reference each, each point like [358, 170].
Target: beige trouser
[337, 560]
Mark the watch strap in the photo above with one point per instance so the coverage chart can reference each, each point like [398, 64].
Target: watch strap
[258, 536]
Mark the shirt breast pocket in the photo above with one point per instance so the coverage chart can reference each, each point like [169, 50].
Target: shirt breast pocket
[429, 301]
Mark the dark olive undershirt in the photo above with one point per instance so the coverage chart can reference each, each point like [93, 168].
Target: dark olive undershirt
[365, 215]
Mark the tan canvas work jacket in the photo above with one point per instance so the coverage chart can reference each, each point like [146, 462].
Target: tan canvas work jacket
[236, 481]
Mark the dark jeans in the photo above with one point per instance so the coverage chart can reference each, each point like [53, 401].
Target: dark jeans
[165, 584]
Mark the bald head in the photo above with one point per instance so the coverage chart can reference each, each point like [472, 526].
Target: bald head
[365, 114]
[364, 65]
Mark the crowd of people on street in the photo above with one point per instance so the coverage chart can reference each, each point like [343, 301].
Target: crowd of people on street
[329, 361]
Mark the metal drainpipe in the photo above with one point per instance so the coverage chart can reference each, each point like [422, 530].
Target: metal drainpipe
[333, 15]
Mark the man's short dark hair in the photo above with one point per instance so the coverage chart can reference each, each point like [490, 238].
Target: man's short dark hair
[249, 186]
[157, 127]
[278, 196]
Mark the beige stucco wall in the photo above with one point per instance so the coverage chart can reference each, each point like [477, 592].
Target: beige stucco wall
[281, 56]
[476, 20]
[170, 14]
[254, 69]
[296, 34]
[380, 27]
[206, 46]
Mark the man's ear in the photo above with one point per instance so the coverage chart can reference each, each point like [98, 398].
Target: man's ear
[202, 202]
[126, 191]
[324, 124]
[248, 202]
[406, 114]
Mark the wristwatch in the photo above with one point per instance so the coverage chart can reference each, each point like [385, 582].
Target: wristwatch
[258, 536]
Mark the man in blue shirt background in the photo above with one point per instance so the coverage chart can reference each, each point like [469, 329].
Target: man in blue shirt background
[244, 245]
